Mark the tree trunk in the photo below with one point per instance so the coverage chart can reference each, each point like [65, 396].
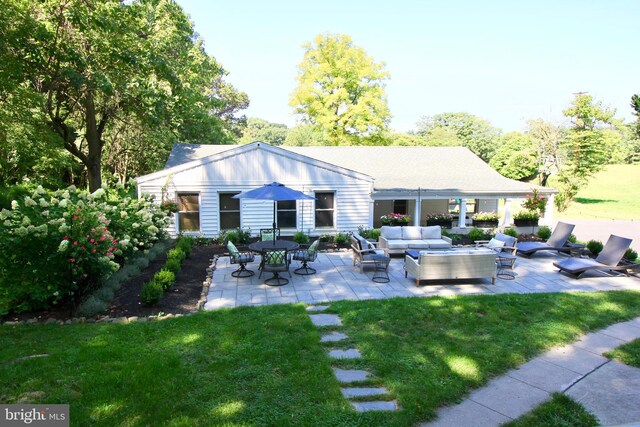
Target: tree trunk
[93, 136]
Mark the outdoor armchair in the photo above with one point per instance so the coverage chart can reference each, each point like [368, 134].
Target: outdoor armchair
[269, 234]
[364, 251]
[556, 241]
[275, 261]
[608, 259]
[305, 256]
[240, 258]
[500, 243]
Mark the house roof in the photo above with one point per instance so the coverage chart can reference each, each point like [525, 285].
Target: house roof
[450, 171]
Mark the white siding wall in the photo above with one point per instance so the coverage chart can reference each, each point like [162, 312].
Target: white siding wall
[488, 205]
[249, 170]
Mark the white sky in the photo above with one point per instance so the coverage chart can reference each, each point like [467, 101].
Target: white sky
[504, 61]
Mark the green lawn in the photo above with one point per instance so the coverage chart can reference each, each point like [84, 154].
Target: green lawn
[628, 353]
[266, 365]
[611, 194]
[560, 411]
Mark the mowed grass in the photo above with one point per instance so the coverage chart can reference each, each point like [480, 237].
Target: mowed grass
[611, 194]
[266, 365]
[628, 353]
[560, 411]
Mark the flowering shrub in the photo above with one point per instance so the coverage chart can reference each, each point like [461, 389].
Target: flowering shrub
[394, 219]
[445, 216]
[535, 203]
[169, 206]
[485, 216]
[526, 215]
[54, 247]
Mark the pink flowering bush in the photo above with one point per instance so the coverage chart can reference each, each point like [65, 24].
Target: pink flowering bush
[394, 219]
[535, 203]
[55, 247]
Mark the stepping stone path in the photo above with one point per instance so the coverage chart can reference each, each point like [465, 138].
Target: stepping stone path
[349, 376]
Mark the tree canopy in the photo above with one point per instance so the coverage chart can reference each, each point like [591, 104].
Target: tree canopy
[262, 130]
[341, 91]
[516, 158]
[475, 133]
[113, 74]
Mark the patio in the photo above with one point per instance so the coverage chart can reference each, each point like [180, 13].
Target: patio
[337, 279]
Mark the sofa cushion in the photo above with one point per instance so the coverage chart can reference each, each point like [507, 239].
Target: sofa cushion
[438, 244]
[431, 232]
[391, 233]
[397, 244]
[411, 233]
[417, 244]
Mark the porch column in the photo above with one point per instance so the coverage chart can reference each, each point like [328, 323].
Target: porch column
[507, 220]
[548, 211]
[462, 219]
[416, 213]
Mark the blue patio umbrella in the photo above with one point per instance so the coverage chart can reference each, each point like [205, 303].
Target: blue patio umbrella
[274, 191]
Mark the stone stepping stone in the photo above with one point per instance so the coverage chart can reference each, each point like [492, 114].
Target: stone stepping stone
[350, 375]
[349, 392]
[375, 406]
[333, 336]
[317, 307]
[325, 320]
[352, 353]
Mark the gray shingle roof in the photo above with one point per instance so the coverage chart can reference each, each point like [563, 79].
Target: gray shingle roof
[450, 170]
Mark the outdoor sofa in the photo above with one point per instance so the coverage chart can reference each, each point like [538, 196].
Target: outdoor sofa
[396, 240]
[458, 263]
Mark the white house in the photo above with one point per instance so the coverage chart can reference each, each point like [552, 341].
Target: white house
[353, 186]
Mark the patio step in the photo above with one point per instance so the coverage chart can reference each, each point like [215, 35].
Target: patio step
[317, 307]
[382, 405]
[352, 353]
[349, 392]
[333, 337]
[325, 320]
[350, 375]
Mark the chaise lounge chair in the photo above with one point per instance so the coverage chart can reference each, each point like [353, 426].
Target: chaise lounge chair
[556, 241]
[608, 259]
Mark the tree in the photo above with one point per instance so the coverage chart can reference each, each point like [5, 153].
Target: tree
[584, 145]
[475, 133]
[546, 138]
[341, 91]
[262, 130]
[304, 135]
[516, 158]
[97, 66]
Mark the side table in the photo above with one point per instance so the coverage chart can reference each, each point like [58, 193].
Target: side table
[380, 272]
[505, 263]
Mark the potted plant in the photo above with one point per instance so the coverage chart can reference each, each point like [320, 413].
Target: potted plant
[444, 220]
[485, 220]
[526, 219]
[394, 219]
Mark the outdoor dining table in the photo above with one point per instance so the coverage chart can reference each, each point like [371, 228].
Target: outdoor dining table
[274, 244]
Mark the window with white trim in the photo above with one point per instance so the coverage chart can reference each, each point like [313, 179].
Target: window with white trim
[229, 211]
[325, 209]
[188, 212]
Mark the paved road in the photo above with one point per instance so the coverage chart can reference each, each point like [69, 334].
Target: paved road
[600, 229]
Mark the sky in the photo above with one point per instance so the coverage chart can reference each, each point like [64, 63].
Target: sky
[504, 61]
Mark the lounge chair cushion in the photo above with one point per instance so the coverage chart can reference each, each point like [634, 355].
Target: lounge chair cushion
[576, 265]
[532, 246]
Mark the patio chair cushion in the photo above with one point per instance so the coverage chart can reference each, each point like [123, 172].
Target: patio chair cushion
[275, 258]
[313, 247]
[232, 249]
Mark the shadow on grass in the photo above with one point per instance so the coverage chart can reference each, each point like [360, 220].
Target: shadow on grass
[587, 201]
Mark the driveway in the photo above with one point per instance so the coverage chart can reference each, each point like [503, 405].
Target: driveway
[600, 229]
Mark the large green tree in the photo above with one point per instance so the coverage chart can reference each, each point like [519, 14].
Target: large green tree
[516, 158]
[94, 67]
[546, 137]
[262, 130]
[585, 146]
[341, 91]
[475, 133]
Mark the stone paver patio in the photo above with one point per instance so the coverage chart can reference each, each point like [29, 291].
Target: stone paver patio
[337, 279]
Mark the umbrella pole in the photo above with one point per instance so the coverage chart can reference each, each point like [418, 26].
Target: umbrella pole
[275, 203]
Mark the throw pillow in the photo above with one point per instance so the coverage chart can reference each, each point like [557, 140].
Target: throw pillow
[312, 248]
[495, 244]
